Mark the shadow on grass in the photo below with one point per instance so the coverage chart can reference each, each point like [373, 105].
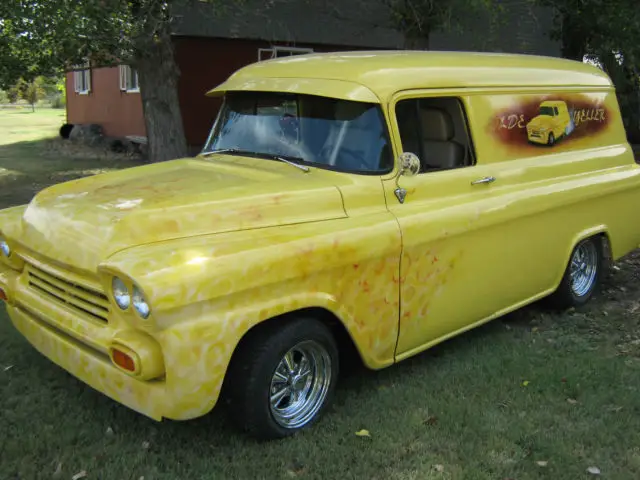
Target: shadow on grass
[30, 166]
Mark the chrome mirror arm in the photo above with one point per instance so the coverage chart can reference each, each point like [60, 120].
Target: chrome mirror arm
[409, 167]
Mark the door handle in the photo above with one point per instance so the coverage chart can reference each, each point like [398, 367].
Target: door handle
[484, 180]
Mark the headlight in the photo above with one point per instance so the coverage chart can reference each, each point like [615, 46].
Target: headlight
[140, 304]
[121, 293]
[4, 247]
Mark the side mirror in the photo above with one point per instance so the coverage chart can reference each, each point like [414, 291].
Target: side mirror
[409, 164]
[409, 167]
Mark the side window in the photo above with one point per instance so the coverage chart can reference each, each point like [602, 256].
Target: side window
[555, 110]
[436, 130]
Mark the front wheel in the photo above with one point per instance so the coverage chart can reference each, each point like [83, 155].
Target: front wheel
[582, 275]
[283, 377]
[551, 140]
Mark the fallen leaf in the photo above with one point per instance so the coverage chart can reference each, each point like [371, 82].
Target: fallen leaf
[572, 401]
[439, 468]
[109, 431]
[593, 470]
[6, 369]
[616, 268]
[525, 383]
[363, 433]
[79, 475]
[296, 471]
[432, 420]
[605, 313]
[542, 463]
[146, 445]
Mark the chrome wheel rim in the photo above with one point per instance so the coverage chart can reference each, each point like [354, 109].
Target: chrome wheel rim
[300, 384]
[584, 267]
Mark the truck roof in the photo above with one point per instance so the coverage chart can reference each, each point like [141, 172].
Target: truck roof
[375, 76]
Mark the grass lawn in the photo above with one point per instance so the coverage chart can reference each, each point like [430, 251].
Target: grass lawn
[32, 156]
[532, 395]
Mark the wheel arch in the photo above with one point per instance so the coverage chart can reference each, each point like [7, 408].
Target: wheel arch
[350, 355]
[600, 231]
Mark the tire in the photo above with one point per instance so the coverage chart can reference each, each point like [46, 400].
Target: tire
[551, 139]
[258, 371]
[65, 130]
[582, 276]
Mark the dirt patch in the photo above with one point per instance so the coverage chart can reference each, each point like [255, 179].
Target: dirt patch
[58, 147]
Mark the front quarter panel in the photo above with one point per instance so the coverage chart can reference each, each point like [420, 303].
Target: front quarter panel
[10, 220]
[207, 292]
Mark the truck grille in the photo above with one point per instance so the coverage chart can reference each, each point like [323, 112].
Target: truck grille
[83, 300]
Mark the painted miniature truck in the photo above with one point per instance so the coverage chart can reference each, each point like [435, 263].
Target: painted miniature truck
[375, 201]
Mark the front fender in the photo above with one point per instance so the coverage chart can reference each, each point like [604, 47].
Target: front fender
[207, 292]
[10, 221]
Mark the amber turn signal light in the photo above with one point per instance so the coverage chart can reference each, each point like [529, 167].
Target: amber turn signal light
[3, 295]
[123, 360]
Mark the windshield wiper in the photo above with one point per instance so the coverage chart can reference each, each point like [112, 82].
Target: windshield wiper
[289, 162]
[259, 154]
[222, 150]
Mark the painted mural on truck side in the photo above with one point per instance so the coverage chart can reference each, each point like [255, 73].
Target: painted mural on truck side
[549, 121]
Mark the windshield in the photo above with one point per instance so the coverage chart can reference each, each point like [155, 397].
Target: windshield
[318, 131]
[546, 111]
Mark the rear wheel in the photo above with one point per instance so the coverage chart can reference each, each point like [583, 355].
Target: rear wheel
[283, 377]
[582, 275]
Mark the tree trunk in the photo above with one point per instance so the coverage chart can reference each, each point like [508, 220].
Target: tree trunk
[574, 41]
[158, 76]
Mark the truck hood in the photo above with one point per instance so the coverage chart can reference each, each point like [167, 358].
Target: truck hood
[540, 121]
[82, 222]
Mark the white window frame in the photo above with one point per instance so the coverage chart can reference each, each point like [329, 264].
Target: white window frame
[278, 52]
[127, 75]
[82, 79]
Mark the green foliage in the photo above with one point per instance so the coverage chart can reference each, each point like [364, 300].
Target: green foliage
[607, 32]
[61, 98]
[13, 93]
[418, 19]
[33, 91]
[43, 37]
